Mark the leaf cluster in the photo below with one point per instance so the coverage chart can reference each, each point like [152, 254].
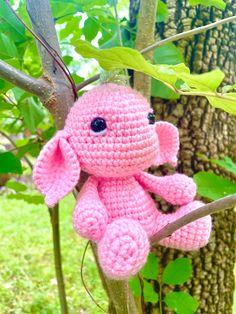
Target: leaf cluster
[176, 273]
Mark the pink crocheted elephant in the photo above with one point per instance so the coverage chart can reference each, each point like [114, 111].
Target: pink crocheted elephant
[111, 133]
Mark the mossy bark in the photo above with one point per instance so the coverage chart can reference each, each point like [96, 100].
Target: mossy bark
[207, 131]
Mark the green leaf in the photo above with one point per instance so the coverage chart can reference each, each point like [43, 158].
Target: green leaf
[77, 79]
[34, 149]
[204, 82]
[227, 164]
[61, 8]
[166, 54]
[227, 104]
[219, 4]
[67, 59]
[7, 47]
[135, 286]
[123, 57]
[127, 58]
[71, 26]
[149, 293]
[112, 42]
[31, 60]
[177, 272]
[9, 163]
[48, 133]
[5, 106]
[90, 29]
[181, 302]
[32, 113]
[159, 89]
[32, 199]
[16, 186]
[87, 4]
[13, 62]
[14, 25]
[150, 269]
[162, 12]
[213, 186]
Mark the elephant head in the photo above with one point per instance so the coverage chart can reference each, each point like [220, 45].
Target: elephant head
[109, 132]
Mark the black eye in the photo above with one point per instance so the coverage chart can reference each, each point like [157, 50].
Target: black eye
[151, 118]
[98, 126]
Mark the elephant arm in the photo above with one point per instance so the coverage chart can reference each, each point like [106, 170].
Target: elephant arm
[176, 189]
[90, 215]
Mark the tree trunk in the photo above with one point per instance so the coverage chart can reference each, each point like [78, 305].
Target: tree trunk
[210, 132]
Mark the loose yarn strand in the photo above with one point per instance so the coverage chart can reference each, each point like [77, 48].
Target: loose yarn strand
[83, 281]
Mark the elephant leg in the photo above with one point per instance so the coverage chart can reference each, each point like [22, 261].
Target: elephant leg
[123, 250]
[192, 236]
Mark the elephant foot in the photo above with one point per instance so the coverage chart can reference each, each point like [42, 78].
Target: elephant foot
[124, 248]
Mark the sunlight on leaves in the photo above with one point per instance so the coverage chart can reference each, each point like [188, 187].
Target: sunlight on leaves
[229, 104]
[16, 186]
[192, 84]
[213, 186]
[123, 57]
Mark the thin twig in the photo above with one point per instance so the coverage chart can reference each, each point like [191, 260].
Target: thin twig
[208, 209]
[54, 215]
[119, 35]
[117, 23]
[191, 32]
[87, 82]
[34, 86]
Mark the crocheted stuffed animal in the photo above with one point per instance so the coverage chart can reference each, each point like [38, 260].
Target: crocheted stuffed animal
[111, 133]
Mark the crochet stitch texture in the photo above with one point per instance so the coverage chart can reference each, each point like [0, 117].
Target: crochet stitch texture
[114, 207]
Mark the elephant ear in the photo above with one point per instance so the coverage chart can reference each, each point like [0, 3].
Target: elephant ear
[57, 169]
[168, 136]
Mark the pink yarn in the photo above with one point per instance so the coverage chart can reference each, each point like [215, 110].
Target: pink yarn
[114, 207]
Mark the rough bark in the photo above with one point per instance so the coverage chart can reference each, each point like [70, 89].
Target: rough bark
[210, 132]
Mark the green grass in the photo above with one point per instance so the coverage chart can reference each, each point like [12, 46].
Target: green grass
[27, 277]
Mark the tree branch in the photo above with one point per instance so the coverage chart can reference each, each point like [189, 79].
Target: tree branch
[34, 86]
[208, 209]
[145, 36]
[191, 32]
[51, 51]
[43, 25]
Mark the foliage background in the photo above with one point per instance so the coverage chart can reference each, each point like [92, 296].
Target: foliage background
[24, 222]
